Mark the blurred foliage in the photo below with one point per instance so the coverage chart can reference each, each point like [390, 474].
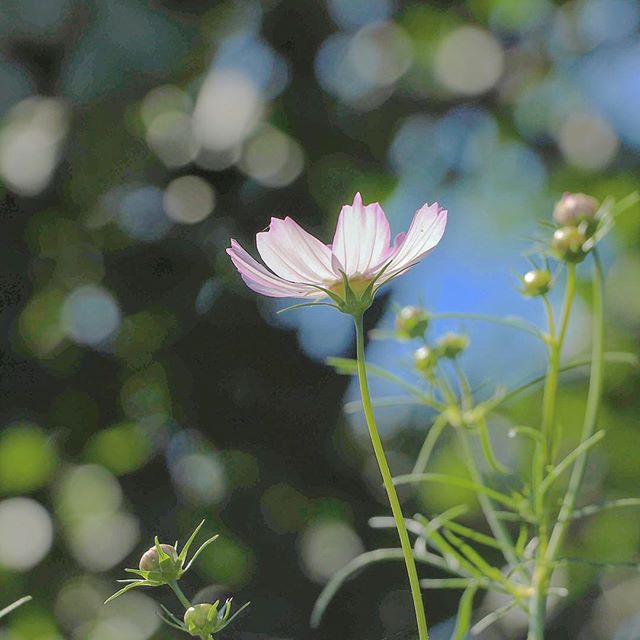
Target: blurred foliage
[143, 388]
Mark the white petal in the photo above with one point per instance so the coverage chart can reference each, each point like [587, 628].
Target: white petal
[425, 231]
[295, 255]
[262, 281]
[362, 236]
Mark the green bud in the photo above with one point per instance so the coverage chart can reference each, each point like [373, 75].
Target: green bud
[203, 620]
[425, 359]
[411, 322]
[196, 619]
[568, 244]
[575, 208]
[451, 345]
[536, 282]
[161, 569]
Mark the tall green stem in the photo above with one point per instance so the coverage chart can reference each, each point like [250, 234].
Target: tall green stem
[594, 398]
[549, 547]
[405, 543]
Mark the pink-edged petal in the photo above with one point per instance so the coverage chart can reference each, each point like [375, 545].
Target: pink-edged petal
[264, 282]
[295, 255]
[425, 231]
[362, 237]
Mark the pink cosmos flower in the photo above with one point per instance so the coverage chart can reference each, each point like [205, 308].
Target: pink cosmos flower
[361, 257]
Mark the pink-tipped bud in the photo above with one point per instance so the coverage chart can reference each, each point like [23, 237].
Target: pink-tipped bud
[574, 208]
[150, 560]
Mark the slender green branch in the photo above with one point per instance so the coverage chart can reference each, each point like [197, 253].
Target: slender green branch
[497, 527]
[515, 323]
[381, 458]
[184, 601]
[548, 548]
[438, 426]
[594, 398]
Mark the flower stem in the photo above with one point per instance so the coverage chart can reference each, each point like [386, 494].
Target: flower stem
[548, 551]
[405, 543]
[184, 601]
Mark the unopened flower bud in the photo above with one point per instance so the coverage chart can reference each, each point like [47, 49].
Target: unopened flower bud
[425, 359]
[451, 345]
[575, 208]
[161, 569]
[411, 322]
[203, 620]
[536, 282]
[196, 619]
[568, 244]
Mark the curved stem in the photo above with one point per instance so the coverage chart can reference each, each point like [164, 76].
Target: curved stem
[184, 601]
[405, 543]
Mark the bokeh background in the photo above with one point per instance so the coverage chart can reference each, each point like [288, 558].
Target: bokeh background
[143, 388]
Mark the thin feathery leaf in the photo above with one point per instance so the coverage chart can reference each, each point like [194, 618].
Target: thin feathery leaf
[205, 544]
[14, 605]
[509, 321]
[446, 583]
[355, 406]
[566, 462]
[592, 509]
[443, 478]
[238, 612]
[172, 624]
[465, 611]
[171, 616]
[349, 366]
[487, 448]
[472, 534]
[131, 585]
[182, 556]
[433, 435]
[611, 357]
[493, 617]
[370, 557]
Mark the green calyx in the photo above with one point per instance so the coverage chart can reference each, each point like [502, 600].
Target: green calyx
[425, 359]
[162, 564]
[451, 345]
[536, 282]
[411, 323]
[569, 244]
[203, 620]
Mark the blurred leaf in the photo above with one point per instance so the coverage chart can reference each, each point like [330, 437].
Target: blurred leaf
[27, 458]
[122, 448]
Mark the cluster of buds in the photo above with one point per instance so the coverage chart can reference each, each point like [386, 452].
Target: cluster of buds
[578, 218]
[576, 215]
[448, 346]
[163, 564]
